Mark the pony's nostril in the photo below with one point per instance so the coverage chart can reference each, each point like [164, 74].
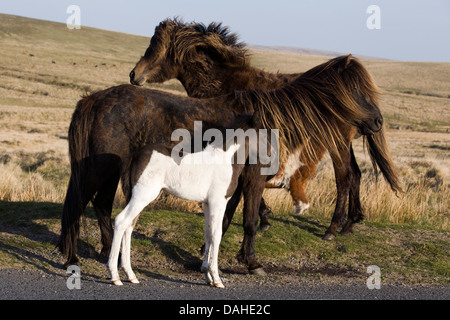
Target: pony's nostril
[379, 121]
[132, 75]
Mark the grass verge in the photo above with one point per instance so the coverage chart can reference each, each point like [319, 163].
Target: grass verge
[167, 242]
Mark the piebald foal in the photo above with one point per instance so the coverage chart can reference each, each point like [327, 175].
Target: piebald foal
[208, 176]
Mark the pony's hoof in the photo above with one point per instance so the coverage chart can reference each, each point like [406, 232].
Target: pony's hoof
[71, 262]
[264, 227]
[219, 285]
[328, 237]
[135, 281]
[117, 282]
[347, 229]
[258, 272]
[346, 232]
[300, 208]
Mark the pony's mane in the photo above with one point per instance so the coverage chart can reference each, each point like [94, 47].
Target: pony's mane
[310, 110]
[350, 73]
[227, 37]
[215, 39]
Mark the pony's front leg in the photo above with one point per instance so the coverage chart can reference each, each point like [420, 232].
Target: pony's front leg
[343, 181]
[206, 246]
[213, 235]
[231, 207]
[253, 188]
[355, 213]
[228, 216]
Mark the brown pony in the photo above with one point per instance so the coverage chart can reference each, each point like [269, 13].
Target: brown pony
[326, 106]
[209, 62]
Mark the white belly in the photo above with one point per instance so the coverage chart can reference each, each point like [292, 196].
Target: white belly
[198, 176]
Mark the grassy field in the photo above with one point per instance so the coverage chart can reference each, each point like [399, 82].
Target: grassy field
[45, 69]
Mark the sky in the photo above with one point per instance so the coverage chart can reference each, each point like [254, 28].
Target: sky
[407, 30]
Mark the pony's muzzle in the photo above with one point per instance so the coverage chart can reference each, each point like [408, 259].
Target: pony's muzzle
[370, 127]
[132, 74]
[139, 81]
[378, 124]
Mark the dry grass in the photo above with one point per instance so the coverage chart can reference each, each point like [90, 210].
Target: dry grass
[425, 201]
[46, 68]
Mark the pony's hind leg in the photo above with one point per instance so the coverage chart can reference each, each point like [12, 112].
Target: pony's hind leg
[300, 179]
[74, 205]
[297, 188]
[140, 198]
[103, 203]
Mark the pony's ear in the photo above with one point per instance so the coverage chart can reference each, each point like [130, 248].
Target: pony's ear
[343, 64]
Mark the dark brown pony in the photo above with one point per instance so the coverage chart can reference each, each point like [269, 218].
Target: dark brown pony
[209, 61]
[110, 128]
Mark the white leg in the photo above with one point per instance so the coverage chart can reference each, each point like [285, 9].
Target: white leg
[115, 248]
[141, 197]
[204, 267]
[126, 250]
[300, 208]
[213, 225]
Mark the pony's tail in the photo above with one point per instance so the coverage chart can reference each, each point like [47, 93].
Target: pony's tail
[70, 222]
[380, 156]
[76, 196]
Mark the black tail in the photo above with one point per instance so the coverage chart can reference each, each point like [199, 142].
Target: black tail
[380, 156]
[70, 222]
[78, 195]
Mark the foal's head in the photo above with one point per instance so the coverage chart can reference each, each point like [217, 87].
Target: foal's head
[178, 48]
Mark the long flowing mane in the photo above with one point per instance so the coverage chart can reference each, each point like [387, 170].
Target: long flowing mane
[312, 109]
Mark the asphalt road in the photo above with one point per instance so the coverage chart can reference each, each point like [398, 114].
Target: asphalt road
[31, 292]
[38, 285]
